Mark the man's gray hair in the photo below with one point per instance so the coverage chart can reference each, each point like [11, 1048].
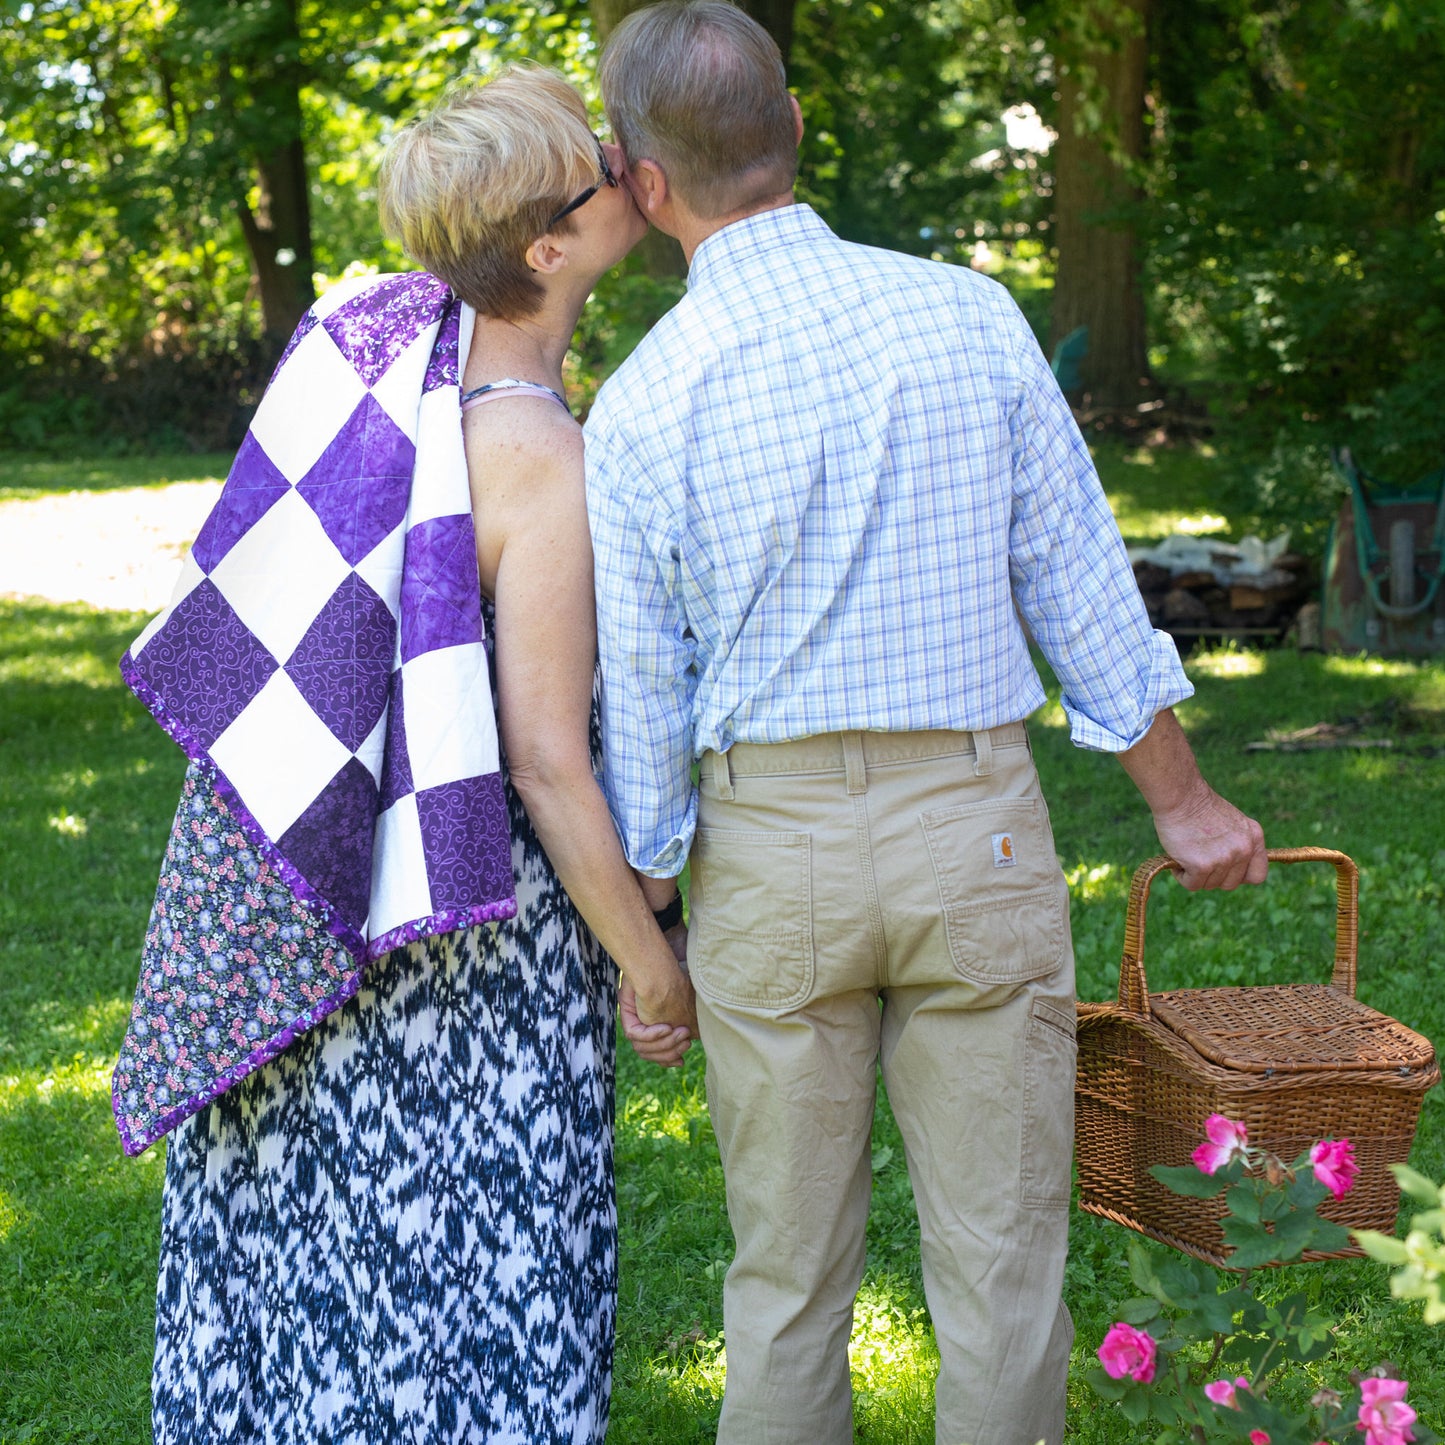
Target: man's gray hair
[699, 87]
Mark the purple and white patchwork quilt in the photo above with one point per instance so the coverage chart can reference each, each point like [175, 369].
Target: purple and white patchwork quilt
[324, 656]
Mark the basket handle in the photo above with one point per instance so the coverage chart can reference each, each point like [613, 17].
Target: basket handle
[1134, 986]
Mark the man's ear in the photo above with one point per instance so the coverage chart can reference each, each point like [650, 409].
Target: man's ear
[649, 186]
[797, 117]
[544, 254]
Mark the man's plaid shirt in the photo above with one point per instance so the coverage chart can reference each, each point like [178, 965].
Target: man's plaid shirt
[818, 491]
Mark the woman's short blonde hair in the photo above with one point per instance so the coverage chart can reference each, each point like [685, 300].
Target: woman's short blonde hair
[467, 188]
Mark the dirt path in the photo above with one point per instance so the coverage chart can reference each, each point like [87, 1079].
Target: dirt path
[118, 550]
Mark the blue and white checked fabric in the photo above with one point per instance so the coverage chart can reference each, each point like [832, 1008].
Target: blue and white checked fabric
[818, 490]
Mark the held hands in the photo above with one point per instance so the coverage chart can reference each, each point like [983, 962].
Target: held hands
[660, 1017]
[1216, 845]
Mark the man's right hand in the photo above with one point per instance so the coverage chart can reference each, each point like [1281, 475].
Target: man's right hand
[1216, 845]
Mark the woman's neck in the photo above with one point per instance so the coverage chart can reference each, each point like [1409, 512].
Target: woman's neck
[531, 349]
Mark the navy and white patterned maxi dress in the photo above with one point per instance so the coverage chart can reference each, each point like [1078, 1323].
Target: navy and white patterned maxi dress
[403, 1229]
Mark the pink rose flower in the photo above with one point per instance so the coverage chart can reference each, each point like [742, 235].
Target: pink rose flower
[1226, 1143]
[1127, 1351]
[1334, 1164]
[1259, 1437]
[1221, 1392]
[1384, 1416]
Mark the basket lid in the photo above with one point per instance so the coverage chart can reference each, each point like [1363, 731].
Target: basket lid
[1297, 1028]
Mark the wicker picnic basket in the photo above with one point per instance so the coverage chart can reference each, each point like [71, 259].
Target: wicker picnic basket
[1295, 1064]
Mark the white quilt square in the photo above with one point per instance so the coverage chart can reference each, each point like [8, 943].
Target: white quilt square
[439, 481]
[453, 733]
[279, 755]
[399, 891]
[297, 421]
[290, 548]
[399, 388]
[380, 569]
[340, 292]
[372, 751]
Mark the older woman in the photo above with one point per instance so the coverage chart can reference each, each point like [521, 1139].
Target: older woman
[378, 1034]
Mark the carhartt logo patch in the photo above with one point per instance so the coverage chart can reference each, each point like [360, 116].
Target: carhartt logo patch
[1003, 850]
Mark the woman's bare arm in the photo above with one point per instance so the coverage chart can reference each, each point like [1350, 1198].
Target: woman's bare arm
[536, 559]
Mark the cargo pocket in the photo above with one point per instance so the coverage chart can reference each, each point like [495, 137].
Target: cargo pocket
[1048, 1122]
[1005, 902]
[751, 943]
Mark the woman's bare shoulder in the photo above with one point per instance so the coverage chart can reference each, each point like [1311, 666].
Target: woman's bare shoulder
[524, 448]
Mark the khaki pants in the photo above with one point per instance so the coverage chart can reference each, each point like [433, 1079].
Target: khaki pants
[915, 870]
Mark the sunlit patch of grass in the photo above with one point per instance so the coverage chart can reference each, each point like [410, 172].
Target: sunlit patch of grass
[9, 1215]
[1088, 882]
[1157, 491]
[890, 1332]
[1228, 662]
[679, 1116]
[29, 475]
[1050, 715]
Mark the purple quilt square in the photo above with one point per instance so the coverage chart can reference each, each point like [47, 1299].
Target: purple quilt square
[297, 337]
[342, 664]
[396, 781]
[441, 586]
[361, 484]
[330, 843]
[205, 663]
[250, 492]
[444, 368]
[372, 330]
[467, 842]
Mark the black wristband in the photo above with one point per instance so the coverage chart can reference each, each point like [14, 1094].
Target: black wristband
[670, 916]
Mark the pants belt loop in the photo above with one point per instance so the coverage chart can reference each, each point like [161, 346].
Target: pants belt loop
[722, 776]
[853, 765]
[982, 754]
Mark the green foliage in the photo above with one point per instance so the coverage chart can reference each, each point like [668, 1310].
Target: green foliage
[129, 141]
[1294, 227]
[1421, 1254]
[1207, 1351]
[903, 143]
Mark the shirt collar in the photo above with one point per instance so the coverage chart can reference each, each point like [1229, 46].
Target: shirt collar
[753, 235]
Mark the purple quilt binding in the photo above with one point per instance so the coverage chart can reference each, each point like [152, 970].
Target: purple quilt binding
[325, 661]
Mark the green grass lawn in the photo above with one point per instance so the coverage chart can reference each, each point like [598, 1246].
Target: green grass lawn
[87, 788]
[25, 475]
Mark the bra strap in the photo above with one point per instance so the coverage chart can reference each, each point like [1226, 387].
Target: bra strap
[510, 386]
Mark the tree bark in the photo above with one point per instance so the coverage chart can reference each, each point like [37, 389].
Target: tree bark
[278, 228]
[1098, 281]
[278, 234]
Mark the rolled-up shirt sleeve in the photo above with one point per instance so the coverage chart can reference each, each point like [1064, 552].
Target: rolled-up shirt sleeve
[1071, 575]
[646, 654]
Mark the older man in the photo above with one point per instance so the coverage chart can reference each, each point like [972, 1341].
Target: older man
[818, 491]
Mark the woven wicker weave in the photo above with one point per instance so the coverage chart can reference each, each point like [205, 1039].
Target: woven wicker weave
[1294, 1064]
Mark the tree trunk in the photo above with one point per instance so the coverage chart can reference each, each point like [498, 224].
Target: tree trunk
[660, 255]
[278, 229]
[1098, 282]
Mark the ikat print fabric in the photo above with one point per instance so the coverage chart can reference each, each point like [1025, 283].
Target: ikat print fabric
[325, 656]
[403, 1228]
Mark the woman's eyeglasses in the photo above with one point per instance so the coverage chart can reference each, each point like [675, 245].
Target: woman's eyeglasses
[605, 179]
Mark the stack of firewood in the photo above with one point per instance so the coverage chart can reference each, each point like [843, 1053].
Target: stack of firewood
[1216, 602]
